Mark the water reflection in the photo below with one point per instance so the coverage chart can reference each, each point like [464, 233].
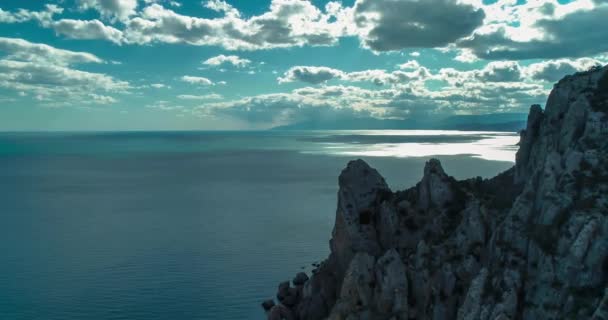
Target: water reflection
[496, 146]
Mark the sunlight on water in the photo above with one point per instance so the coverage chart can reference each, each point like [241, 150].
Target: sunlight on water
[424, 133]
[496, 146]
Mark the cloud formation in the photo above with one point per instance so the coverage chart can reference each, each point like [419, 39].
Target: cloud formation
[224, 59]
[541, 30]
[411, 91]
[46, 73]
[87, 29]
[553, 70]
[387, 25]
[317, 75]
[20, 49]
[197, 80]
[287, 23]
[502, 30]
[111, 9]
[210, 96]
[310, 74]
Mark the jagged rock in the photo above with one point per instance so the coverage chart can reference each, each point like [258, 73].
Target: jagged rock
[531, 243]
[291, 298]
[435, 189]
[360, 188]
[280, 312]
[471, 307]
[283, 290]
[300, 279]
[601, 313]
[391, 286]
[528, 136]
[357, 289]
[268, 304]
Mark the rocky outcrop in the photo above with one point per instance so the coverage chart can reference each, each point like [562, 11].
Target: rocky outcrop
[530, 243]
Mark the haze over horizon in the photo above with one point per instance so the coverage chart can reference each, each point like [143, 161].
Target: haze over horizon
[240, 65]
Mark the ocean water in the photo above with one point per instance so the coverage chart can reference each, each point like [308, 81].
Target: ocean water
[189, 225]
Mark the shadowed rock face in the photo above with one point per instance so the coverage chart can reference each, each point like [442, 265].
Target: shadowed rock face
[530, 243]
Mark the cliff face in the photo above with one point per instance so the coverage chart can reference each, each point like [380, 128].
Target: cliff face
[531, 243]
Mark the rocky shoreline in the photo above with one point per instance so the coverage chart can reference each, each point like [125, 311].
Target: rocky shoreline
[530, 243]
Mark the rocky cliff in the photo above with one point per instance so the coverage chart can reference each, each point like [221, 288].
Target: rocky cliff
[531, 243]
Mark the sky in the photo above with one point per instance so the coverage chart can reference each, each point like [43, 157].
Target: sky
[244, 64]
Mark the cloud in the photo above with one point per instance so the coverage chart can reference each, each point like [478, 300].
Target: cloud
[164, 106]
[410, 65]
[500, 71]
[576, 29]
[169, 2]
[221, 6]
[387, 25]
[101, 99]
[317, 75]
[23, 15]
[553, 71]
[287, 23]
[111, 9]
[496, 71]
[20, 49]
[411, 92]
[197, 80]
[303, 104]
[46, 73]
[87, 29]
[313, 75]
[211, 96]
[402, 101]
[223, 59]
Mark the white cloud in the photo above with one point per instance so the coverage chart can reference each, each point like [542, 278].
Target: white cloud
[46, 73]
[197, 80]
[304, 104]
[211, 96]
[231, 59]
[543, 29]
[287, 23]
[554, 70]
[498, 87]
[23, 15]
[165, 106]
[310, 74]
[111, 9]
[317, 75]
[87, 29]
[410, 65]
[221, 6]
[19, 49]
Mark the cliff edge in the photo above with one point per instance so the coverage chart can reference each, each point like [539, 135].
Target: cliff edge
[530, 243]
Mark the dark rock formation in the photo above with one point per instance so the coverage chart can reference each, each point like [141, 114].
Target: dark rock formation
[530, 243]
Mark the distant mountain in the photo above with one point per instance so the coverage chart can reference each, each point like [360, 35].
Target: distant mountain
[484, 122]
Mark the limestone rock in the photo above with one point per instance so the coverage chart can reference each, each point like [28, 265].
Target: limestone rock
[530, 243]
[435, 189]
[300, 279]
[391, 286]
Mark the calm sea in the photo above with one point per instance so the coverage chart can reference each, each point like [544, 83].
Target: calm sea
[188, 225]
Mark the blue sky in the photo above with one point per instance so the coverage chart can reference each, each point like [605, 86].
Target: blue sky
[183, 65]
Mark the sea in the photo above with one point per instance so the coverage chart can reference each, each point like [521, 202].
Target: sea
[189, 225]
